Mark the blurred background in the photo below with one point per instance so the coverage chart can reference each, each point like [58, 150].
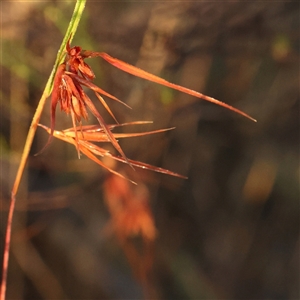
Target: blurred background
[229, 231]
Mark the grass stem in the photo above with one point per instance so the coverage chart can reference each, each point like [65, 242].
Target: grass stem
[78, 11]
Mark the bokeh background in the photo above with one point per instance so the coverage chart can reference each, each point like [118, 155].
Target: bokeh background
[231, 230]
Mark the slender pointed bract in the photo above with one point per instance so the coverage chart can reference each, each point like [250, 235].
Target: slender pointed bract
[97, 134]
[55, 98]
[148, 76]
[97, 128]
[95, 88]
[104, 126]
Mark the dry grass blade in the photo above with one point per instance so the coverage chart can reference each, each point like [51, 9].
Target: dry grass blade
[90, 149]
[95, 88]
[97, 128]
[148, 76]
[98, 134]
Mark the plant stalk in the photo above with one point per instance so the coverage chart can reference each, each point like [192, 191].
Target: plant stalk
[78, 11]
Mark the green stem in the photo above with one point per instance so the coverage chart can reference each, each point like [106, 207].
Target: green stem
[78, 10]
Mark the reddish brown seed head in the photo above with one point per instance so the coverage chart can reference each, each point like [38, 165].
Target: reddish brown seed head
[75, 63]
